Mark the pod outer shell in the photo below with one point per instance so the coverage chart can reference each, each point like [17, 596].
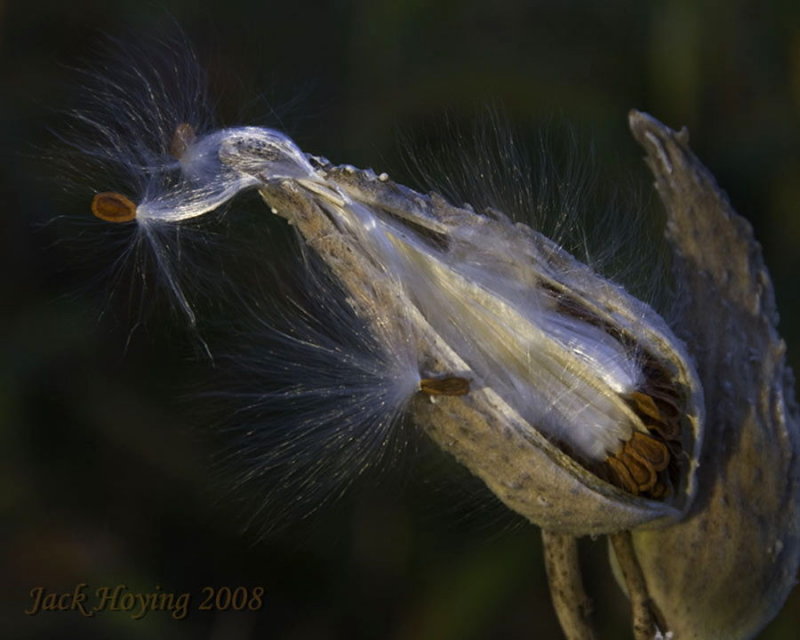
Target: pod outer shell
[727, 569]
[527, 471]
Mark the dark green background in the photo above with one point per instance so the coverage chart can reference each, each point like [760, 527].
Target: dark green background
[103, 478]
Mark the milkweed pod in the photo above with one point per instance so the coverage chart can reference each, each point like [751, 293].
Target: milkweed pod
[727, 568]
[584, 413]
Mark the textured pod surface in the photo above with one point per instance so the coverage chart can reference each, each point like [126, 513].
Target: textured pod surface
[725, 570]
[485, 429]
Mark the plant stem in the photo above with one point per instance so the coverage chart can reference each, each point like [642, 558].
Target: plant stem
[573, 607]
[644, 615]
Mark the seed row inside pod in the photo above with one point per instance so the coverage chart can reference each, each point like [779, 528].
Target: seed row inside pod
[652, 461]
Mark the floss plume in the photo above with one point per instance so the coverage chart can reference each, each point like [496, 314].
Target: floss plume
[572, 400]
[318, 396]
[136, 116]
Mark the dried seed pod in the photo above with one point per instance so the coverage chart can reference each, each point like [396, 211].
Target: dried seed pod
[578, 389]
[726, 569]
[583, 412]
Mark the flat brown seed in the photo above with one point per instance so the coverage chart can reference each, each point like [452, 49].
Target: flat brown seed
[670, 430]
[658, 491]
[645, 405]
[649, 450]
[623, 475]
[447, 386]
[666, 403]
[642, 473]
[183, 137]
[113, 207]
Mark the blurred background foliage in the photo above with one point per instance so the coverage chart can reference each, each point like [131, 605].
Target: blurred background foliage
[104, 478]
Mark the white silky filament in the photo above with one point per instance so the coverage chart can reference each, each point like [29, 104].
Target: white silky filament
[318, 400]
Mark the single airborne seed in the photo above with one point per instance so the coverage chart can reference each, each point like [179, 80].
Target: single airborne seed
[113, 207]
[182, 139]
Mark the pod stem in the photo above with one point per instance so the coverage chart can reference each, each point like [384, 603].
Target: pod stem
[647, 621]
[573, 607]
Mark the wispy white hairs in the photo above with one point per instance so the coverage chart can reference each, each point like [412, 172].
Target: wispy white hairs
[125, 140]
[317, 397]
